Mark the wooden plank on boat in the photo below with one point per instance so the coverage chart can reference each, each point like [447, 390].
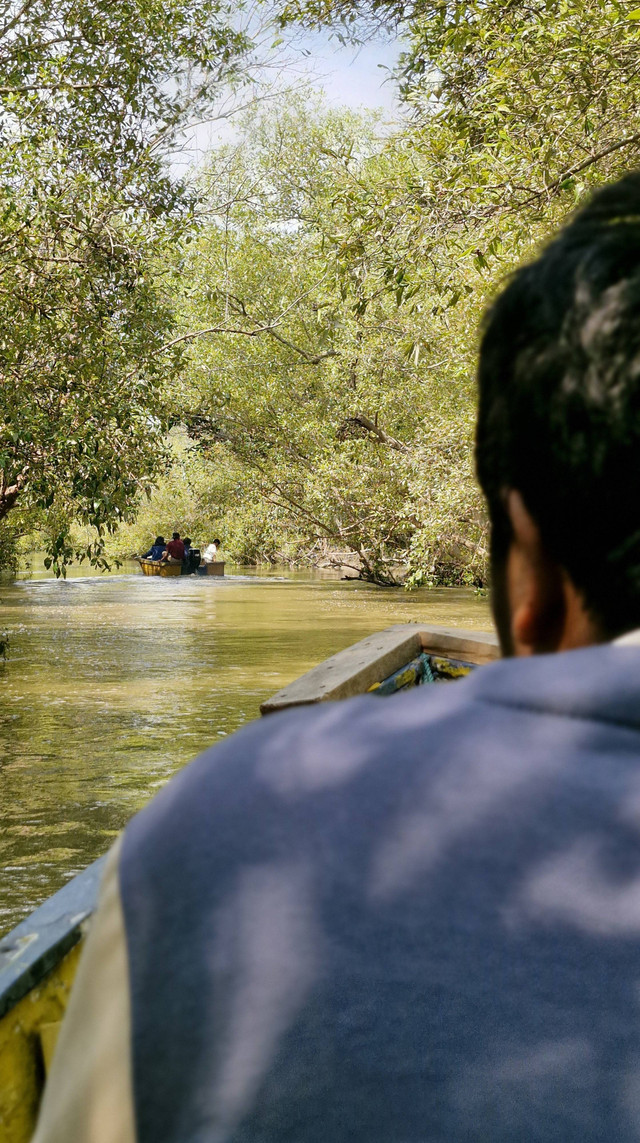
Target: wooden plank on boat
[355, 670]
[454, 642]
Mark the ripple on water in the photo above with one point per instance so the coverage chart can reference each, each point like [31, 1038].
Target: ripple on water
[113, 683]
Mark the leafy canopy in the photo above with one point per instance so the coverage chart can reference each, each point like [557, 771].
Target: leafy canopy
[92, 95]
[311, 373]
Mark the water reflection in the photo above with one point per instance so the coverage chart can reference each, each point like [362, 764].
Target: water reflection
[114, 682]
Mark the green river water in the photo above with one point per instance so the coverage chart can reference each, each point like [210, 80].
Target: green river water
[114, 682]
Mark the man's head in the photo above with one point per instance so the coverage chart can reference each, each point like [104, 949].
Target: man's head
[176, 535]
[558, 435]
[187, 542]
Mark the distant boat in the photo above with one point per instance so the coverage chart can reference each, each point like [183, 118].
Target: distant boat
[214, 568]
[38, 959]
[154, 567]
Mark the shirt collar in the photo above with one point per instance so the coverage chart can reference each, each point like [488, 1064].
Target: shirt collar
[629, 639]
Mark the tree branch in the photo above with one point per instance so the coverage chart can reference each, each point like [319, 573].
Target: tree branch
[11, 24]
[9, 493]
[309, 358]
[268, 327]
[63, 85]
[379, 434]
[568, 174]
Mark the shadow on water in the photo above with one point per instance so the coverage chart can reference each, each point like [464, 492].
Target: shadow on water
[112, 683]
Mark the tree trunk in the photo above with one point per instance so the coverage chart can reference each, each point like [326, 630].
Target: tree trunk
[9, 493]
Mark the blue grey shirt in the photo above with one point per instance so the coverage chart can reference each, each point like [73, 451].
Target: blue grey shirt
[409, 920]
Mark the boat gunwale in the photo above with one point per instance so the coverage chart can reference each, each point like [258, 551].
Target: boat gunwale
[359, 667]
[30, 951]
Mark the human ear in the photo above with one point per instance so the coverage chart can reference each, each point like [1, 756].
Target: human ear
[535, 585]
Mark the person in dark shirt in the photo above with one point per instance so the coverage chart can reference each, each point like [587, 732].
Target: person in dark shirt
[191, 558]
[156, 550]
[417, 920]
[174, 553]
[186, 559]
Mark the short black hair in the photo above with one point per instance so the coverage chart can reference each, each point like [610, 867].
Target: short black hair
[176, 535]
[187, 540]
[158, 540]
[559, 403]
[217, 541]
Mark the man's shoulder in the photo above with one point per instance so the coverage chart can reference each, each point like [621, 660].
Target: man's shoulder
[281, 760]
[395, 843]
[321, 745]
[511, 721]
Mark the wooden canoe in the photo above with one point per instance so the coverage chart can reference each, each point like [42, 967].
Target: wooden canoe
[154, 567]
[38, 959]
[215, 568]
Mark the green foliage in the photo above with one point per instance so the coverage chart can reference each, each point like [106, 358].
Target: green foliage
[319, 383]
[317, 334]
[344, 277]
[516, 110]
[207, 499]
[9, 547]
[91, 98]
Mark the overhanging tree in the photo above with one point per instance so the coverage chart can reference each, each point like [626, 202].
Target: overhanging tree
[92, 98]
[516, 108]
[315, 374]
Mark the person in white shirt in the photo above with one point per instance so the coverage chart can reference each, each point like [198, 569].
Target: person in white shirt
[211, 552]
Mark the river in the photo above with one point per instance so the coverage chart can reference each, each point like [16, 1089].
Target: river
[114, 682]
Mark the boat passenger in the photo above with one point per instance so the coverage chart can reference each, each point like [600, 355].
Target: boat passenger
[156, 549]
[174, 551]
[191, 558]
[210, 553]
[417, 918]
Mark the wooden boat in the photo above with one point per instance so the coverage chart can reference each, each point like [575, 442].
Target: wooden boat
[215, 568]
[401, 656]
[38, 961]
[154, 567]
[38, 958]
